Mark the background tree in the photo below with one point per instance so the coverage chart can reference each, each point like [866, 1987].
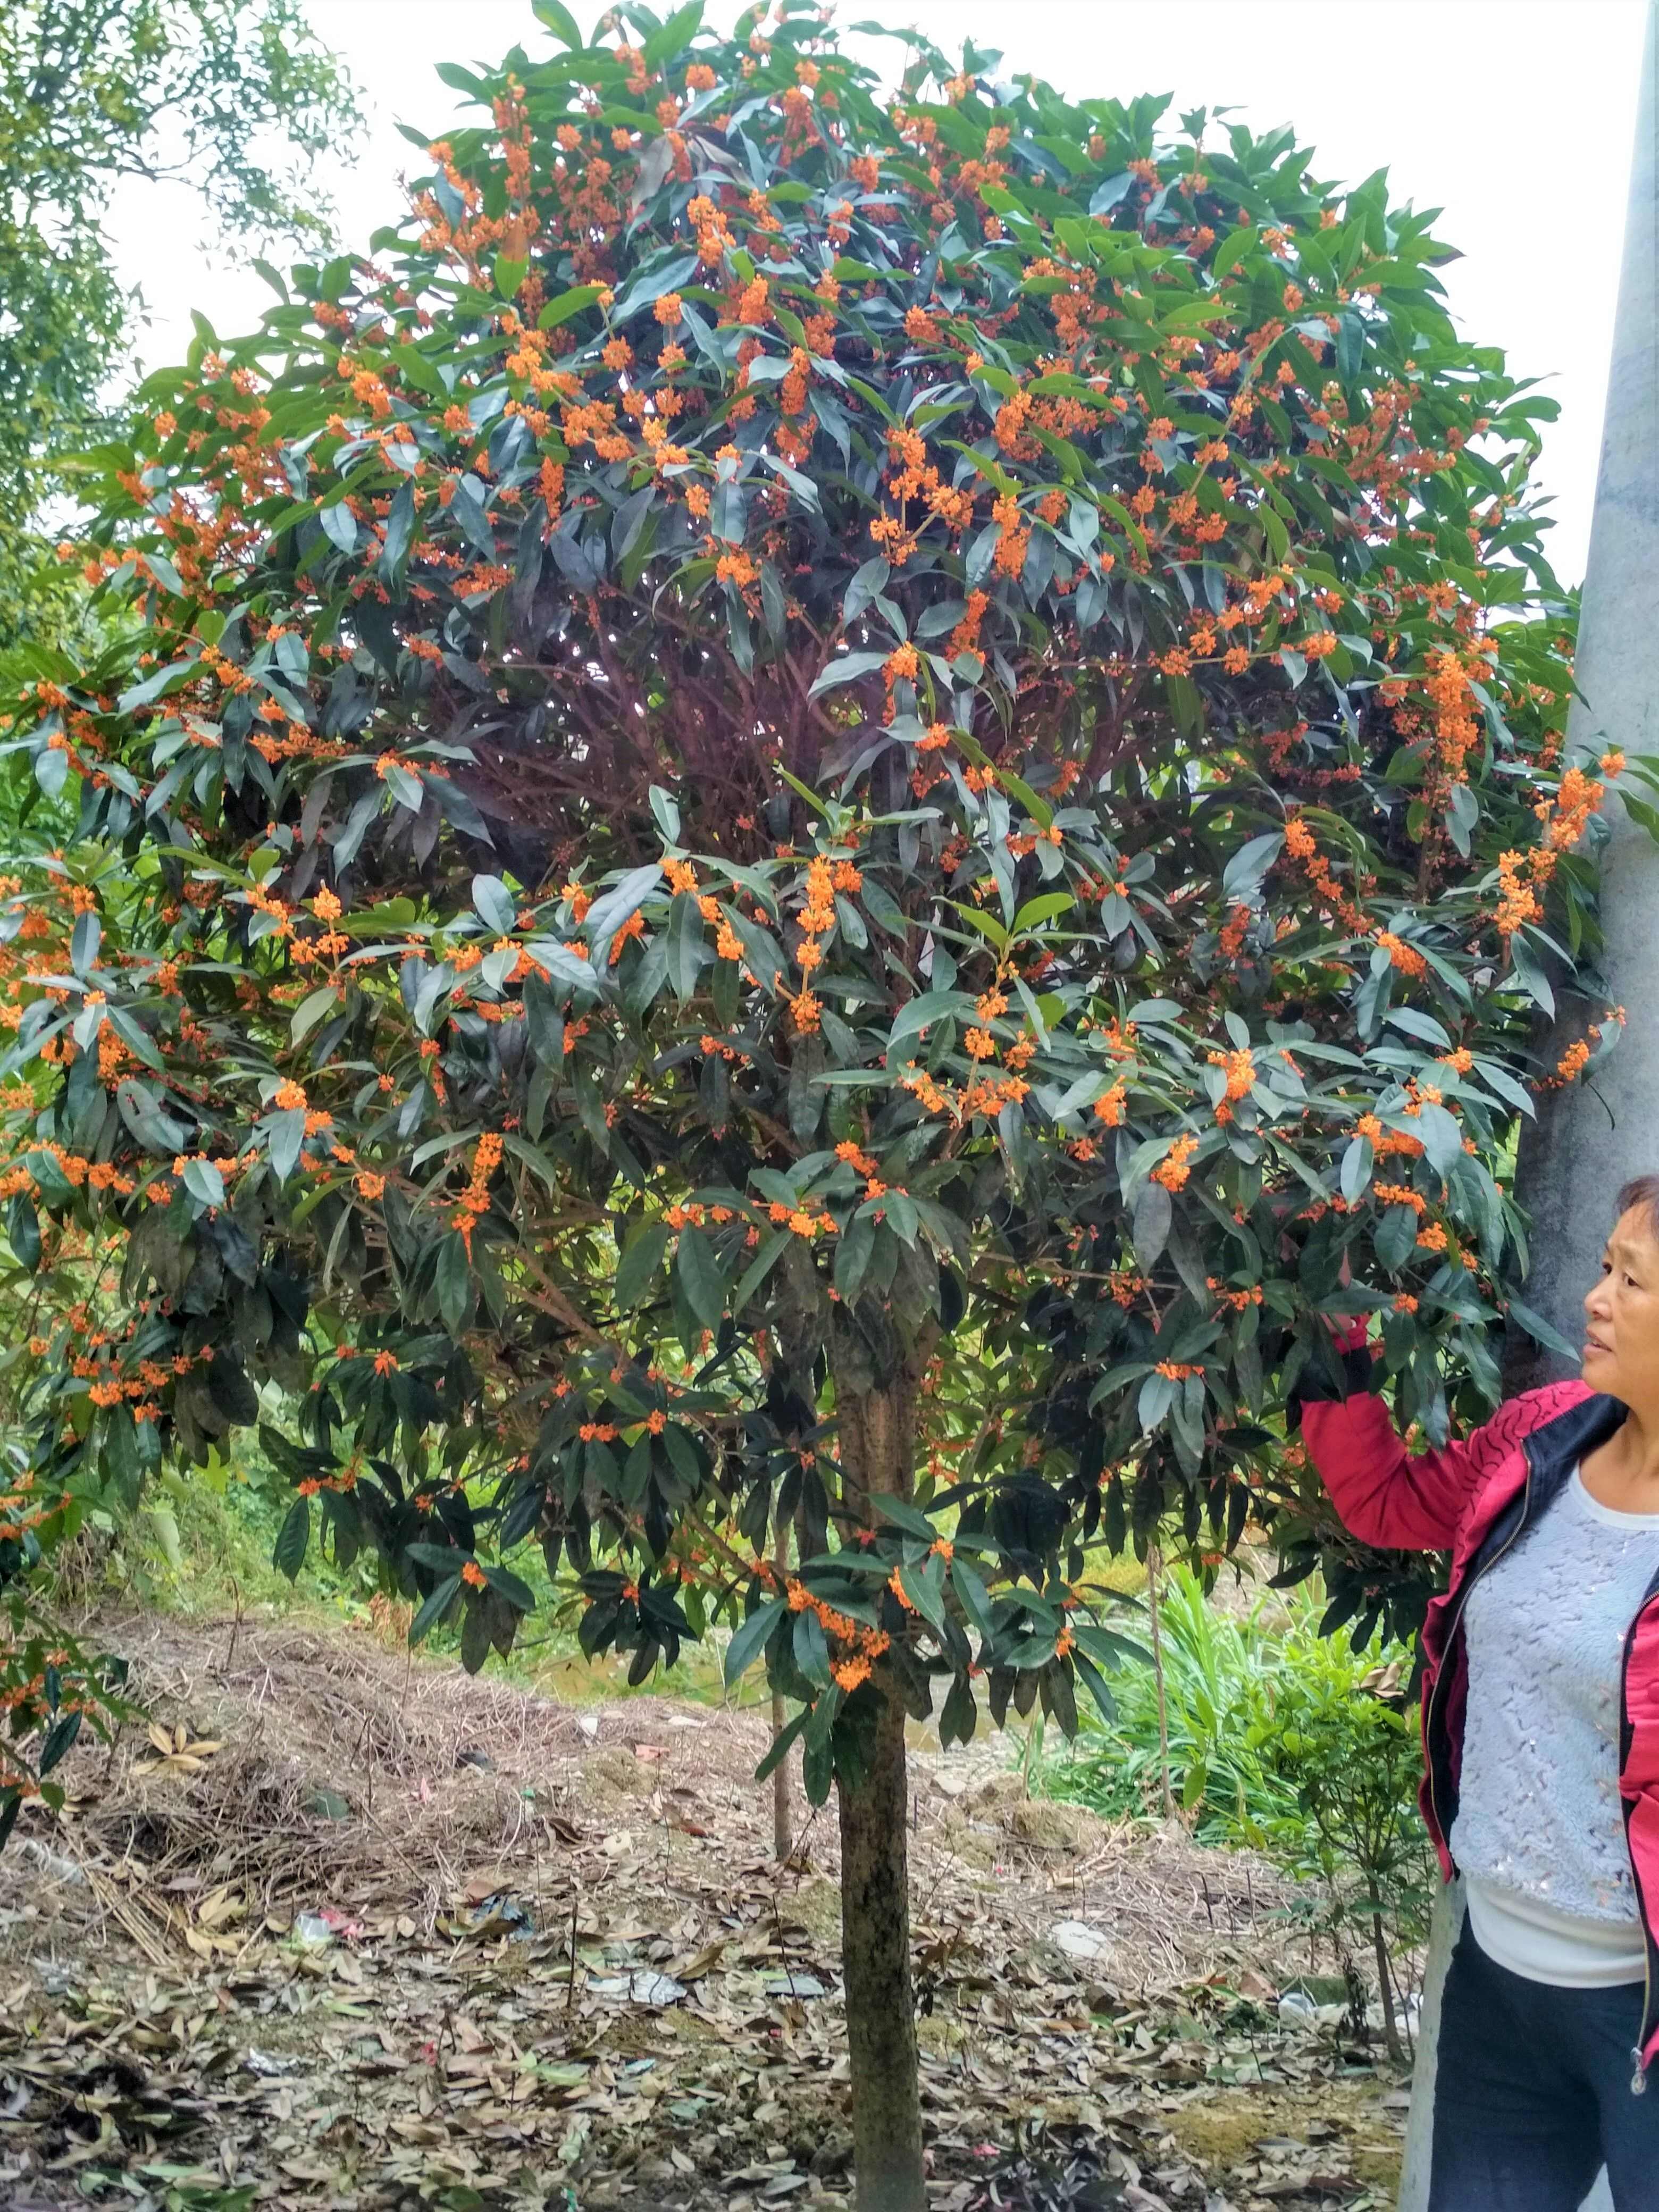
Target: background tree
[821, 809]
[237, 97]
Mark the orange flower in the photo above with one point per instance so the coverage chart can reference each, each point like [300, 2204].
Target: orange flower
[473, 1575]
[1173, 1169]
[1110, 1108]
[1240, 1068]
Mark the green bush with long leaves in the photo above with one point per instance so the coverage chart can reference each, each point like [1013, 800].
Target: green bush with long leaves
[1272, 1734]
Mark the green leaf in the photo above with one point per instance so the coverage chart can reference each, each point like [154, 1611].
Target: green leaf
[203, 1180]
[289, 1553]
[1243, 875]
[608, 912]
[845, 670]
[1046, 908]
[975, 1598]
[1542, 1331]
[1443, 1138]
[641, 1259]
[455, 1282]
[157, 1131]
[23, 1231]
[664, 44]
[1396, 1237]
[812, 1650]
[1096, 1685]
[517, 1592]
[434, 1609]
[748, 1639]
[311, 1010]
[701, 1275]
[399, 533]
[567, 305]
[144, 695]
[339, 526]
[1357, 1161]
[287, 1133]
[1154, 1212]
[783, 1742]
[406, 786]
[52, 770]
[920, 1013]
[1418, 1024]
[558, 20]
[759, 1268]
[493, 903]
[868, 583]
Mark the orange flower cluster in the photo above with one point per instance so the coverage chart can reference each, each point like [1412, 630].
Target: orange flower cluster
[817, 918]
[1574, 1060]
[1456, 727]
[474, 1201]
[1405, 957]
[1566, 818]
[1300, 844]
[863, 1644]
[1519, 904]
[1111, 1106]
[1173, 1169]
[1399, 1193]
[912, 476]
[1240, 1067]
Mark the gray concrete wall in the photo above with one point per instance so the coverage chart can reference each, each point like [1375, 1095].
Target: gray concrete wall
[1589, 1137]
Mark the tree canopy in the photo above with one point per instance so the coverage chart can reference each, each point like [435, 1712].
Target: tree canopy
[817, 813]
[92, 92]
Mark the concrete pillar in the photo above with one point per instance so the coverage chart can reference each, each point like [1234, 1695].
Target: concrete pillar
[1588, 1139]
[1420, 2126]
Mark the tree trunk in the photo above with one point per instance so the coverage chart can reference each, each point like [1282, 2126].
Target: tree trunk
[783, 1840]
[876, 1386]
[875, 1953]
[1154, 1601]
[1384, 1980]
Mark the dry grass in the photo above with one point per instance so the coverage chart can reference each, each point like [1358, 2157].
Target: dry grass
[440, 1772]
[623, 1835]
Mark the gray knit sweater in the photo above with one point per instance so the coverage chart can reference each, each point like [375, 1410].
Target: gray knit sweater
[1539, 1812]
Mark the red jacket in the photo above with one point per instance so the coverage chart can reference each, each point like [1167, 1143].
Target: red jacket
[1473, 1498]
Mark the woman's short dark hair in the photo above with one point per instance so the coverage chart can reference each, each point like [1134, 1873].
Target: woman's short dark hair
[1642, 1191]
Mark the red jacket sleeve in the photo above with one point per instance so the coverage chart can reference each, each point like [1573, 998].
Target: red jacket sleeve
[1397, 1500]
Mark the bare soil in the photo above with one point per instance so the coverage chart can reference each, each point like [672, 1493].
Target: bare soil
[349, 1930]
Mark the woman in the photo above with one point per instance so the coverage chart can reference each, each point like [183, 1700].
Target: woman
[1540, 1738]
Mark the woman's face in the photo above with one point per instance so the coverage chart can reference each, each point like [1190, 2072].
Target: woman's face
[1621, 1335]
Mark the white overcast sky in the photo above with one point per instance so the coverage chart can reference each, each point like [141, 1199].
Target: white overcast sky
[1515, 117]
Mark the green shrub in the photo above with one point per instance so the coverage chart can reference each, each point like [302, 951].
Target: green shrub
[1279, 1738]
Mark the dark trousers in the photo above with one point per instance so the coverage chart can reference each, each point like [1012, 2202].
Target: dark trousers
[1533, 2094]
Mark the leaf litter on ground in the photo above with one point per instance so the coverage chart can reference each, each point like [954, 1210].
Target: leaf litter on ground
[574, 1976]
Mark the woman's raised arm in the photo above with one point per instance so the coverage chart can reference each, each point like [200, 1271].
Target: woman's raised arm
[1398, 1500]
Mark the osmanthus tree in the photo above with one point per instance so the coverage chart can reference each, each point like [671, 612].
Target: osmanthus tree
[817, 808]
